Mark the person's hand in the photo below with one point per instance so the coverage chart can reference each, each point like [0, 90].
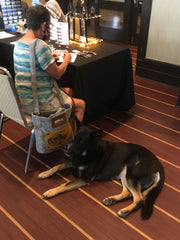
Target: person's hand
[56, 57]
[67, 57]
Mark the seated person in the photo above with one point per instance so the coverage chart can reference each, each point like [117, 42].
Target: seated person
[54, 9]
[38, 21]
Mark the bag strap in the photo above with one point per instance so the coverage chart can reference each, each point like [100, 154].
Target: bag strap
[34, 81]
[59, 93]
[33, 76]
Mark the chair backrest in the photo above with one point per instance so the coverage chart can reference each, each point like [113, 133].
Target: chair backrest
[9, 100]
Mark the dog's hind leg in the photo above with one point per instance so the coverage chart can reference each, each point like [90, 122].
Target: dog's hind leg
[129, 189]
[139, 198]
[66, 187]
[124, 194]
[117, 198]
[137, 201]
[55, 169]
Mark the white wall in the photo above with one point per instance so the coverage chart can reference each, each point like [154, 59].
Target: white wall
[164, 32]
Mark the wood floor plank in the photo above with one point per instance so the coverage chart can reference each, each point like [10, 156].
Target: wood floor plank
[165, 135]
[152, 122]
[50, 181]
[166, 99]
[150, 227]
[158, 106]
[164, 88]
[34, 212]
[156, 117]
[71, 205]
[15, 230]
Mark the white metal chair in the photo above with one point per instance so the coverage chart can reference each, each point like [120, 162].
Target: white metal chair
[11, 108]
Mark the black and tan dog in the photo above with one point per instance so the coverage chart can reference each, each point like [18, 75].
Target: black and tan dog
[140, 172]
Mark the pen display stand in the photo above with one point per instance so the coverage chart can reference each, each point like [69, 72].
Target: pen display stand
[82, 19]
[81, 29]
[11, 13]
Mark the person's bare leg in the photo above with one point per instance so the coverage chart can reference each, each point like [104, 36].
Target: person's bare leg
[79, 105]
[69, 91]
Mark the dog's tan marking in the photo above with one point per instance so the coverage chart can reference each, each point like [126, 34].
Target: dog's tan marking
[128, 191]
[137, 200]
[116, 198]
[156, 181]
[55, 169]
[136, 194]
[75, 184]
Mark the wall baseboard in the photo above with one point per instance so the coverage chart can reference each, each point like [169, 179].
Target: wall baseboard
[158, 71]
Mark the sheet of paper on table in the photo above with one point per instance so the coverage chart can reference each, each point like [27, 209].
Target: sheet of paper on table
[61, 53]
[4, 34]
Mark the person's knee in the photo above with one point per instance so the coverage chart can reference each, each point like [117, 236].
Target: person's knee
[79, 104]
[83, 105]
[79, 108]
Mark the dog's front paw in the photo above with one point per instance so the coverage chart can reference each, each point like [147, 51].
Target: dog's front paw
[49, 194]
[44, 175]
[123, 213]
[108, 201]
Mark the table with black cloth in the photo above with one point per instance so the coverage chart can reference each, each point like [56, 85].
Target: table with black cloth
[104, 81]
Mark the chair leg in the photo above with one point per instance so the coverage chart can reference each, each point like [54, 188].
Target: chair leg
[29, 149]
[1, 123]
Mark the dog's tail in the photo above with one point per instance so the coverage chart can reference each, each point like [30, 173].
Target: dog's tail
[147, 207]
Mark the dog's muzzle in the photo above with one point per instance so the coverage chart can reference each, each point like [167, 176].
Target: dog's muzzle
[80, 170]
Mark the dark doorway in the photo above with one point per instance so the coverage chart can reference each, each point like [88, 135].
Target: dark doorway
[120, 20]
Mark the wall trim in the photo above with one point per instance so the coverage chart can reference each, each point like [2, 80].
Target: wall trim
[159, 71]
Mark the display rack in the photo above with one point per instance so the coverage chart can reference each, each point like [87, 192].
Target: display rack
[83, 18]
[11, 13]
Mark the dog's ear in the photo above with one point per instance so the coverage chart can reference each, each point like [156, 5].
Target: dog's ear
[96, 135]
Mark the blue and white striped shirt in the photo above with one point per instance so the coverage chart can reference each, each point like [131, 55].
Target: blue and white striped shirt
[43, 58]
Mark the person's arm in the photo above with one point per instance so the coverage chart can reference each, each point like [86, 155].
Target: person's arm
[57, 71]
[47, 61]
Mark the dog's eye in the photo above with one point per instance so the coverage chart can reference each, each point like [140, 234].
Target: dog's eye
[84, 153]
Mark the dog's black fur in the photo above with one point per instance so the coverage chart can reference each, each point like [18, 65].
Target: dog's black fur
[140, 172]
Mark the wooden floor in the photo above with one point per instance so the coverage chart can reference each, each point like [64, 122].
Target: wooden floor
[154, 122]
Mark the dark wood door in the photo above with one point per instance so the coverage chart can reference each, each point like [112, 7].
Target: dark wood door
[114, 23]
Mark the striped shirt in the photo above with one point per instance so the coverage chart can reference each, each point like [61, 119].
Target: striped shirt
[43, 58]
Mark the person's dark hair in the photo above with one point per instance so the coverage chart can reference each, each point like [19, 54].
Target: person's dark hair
[36, 15]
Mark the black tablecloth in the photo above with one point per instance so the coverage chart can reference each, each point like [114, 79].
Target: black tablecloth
[104, 81]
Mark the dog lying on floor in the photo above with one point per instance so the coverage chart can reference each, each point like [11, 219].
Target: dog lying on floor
[140, 172]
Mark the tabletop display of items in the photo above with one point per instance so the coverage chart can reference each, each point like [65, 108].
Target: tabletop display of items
[11, 13]
[82, 19]
[80, 25]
